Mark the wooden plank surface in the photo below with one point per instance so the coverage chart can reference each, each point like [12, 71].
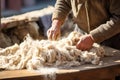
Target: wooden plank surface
[108, 71]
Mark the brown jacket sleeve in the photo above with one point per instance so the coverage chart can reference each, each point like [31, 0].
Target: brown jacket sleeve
[62, 8]
[111, 27]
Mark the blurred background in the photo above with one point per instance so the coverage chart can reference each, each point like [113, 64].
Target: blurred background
[22, 17]
[13, 7]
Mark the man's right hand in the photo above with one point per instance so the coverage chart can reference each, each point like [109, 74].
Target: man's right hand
[54, 32]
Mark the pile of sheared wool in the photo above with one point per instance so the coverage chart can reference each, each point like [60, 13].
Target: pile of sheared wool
[33, 54]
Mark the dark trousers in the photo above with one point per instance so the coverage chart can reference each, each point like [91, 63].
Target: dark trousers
[113, 42]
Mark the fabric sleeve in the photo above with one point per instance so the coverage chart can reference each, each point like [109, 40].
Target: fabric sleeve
[111, 27]
[62, 8]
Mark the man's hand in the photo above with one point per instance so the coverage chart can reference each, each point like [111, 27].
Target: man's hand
[54, 32]
[85, 42]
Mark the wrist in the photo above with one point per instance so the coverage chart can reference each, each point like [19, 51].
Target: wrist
[56, 23]
[92, 38]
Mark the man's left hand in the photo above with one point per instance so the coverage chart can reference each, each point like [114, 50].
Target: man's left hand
[85, 42]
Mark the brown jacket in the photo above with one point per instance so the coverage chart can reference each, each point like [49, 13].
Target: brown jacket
[101, 18]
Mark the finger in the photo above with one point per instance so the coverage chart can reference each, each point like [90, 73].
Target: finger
[57, 36]
[54, 36]
[48, 32]
[78, 46]
[50, 35]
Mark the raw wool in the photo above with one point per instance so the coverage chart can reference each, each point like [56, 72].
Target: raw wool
[16, 27]
[50, 73]
[17, 34]
[31, 28]
[33, 54]
[4, 40]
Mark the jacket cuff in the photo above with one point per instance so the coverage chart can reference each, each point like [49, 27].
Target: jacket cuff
[98, 37]
[59, 16]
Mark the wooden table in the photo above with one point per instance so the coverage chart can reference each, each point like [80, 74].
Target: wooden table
[110, 70]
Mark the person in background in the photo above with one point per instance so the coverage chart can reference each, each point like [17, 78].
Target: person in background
[100, 19]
